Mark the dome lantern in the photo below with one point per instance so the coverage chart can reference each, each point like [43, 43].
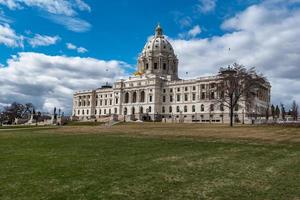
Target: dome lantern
[158, 30]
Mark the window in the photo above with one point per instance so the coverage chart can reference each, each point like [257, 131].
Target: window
[134, 97]
[164, 98]
[186, 88]
[163, 109]
[117, 100]
[170, 109]
[164, 90]
[105, 102]
[96, 103]
[78, 112]
[178, 89]
[142, 96]
[126, 97]
[125, 111]
[104, 111]
[101, 102]
[203, 86]
[177, 109]
[202, 108]
[149, 109]
[109, 111]
[116, 110]
[171, 90]
[212, 107]
[202, 95]
[236, 108]
[194, 97]
[178, 97]
[221, 107]
[95, 111]
[99, 111]
[150, 98]
[185, 109]
[194, 87]
[147, 66]
[155, 65]
[212, 95]
[87, 112]
[186, 97]
[193, 108]
[164, 66]
[82, 112]
[171, 98]
[110, 102]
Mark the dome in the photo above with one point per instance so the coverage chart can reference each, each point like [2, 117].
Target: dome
[158, 57]
[158, 44]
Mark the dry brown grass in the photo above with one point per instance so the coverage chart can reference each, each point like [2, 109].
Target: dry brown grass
[209, 131]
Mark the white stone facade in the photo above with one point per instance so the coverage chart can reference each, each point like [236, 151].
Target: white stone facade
[156, 93]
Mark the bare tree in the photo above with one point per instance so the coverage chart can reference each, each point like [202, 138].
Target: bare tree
[237, 84]
[295, 110]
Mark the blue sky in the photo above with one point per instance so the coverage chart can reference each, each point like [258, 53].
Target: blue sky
[51, 48]
[118, 29]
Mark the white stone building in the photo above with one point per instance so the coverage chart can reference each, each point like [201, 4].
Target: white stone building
[156, 92]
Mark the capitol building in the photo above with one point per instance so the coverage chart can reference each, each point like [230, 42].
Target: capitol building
[156, 93]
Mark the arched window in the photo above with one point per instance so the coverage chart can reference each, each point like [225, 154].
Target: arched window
[126, 97]
[132, 110]
[142, 96]
[170, 109]
[202, 108]
[163, 109]
[116, 110]
[185, 108]
[222, 107]
[149, 109]
[177, 109]
[83, 103]
[193, 108]
[134, 97]
[125, 111]
[141, 110]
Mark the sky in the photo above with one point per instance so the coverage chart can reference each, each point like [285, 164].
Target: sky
[51, 48]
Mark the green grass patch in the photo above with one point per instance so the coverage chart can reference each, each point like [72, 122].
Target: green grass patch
[38, 165]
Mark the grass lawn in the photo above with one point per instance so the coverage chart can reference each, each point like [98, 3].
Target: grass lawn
[150, 161]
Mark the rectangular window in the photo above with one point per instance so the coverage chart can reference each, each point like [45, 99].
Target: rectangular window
[203, 95]
[203, 86]
[150, 98]
[186, 98]
[186, 88]
[164, 66]
[164, 98]
[171, 98]
[155, 65]
[194, 97]
[194, 88]
[178, 89]
[178, 97]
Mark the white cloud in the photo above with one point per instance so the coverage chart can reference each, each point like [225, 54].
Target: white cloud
[63, 12]
[9, 38]
[206, 6]
[74, 47]
[265, 36]
[82, 50]
[49, 81]
[61, 7]
[71, 23]
[43, 40]
[193, 32]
